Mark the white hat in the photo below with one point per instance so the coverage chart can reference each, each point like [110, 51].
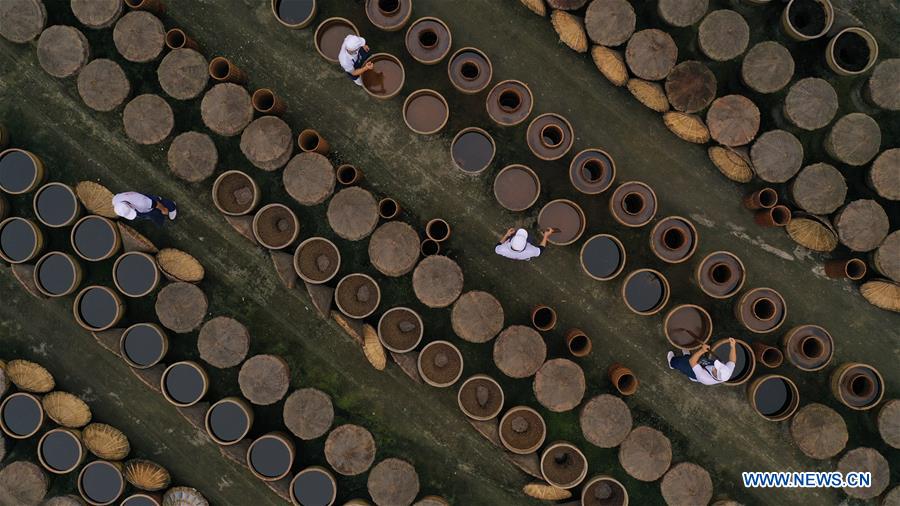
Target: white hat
[352, 43]
[124, 210]
[519, 241]
[723, 371]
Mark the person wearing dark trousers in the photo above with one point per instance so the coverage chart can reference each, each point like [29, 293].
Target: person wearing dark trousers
[352, 57]
[702, 369]
[141, 206]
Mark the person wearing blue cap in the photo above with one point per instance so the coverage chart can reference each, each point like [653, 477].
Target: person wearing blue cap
[135, 205]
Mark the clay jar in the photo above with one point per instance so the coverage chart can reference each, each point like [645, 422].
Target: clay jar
[745, 363]
[472, 150]
[760, 310]
[425, 112]
[20, 240]
[97, 308]
[522, 430]
[623, 379]
[808, 347]
[807, 19]
[386, 79]
[851, 52]
[317, 260]
[774, 397]
[688, 326]
[857, 386]
[592, 171]
[517, 187]
[428, 40]
[645, 291]
[720, 274]
[674, 239]
[389, 15]
[470, 70]
[235, 193]
[330, 35]
[294, 14]
[509, 102]
[480, 397]
[228, 420]
[440, 364]
[57, 274]
[56, 205]
[549, 136]
[633, 204]
[603, 257]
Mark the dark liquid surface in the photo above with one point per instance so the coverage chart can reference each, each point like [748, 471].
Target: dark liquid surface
[687, 326]
[56, 274]
[228, 422]
[741, 361]
[17, 240]
[60, 450]
[430, 247]
[472, 151]
[516, 188]
[565, 218]
[143, 345]
[55, 205]
[438, 230]
[543, 317]
[101, 482]
[184, 384]
[94, 238]
[138, 500]
[644, 291]
[21, 415]
[313, 488]
[602, 257]
[270, 457]
[97, 308]
[332, 36]
[808, 17]
[426, 113]
[294, 12]
[851, 52]
[773, 397]
[385, 78]
[17, 171]
[136, 274]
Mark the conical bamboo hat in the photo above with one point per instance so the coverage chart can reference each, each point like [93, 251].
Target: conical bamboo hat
[570, 29]
[373, 348]
[147, 475]
[184, 496]
[731, 164]
[611, 64]
[180, 265]
[536, 6]
[650, 94]
[132, 240]
[96, 198]
[882, 293]
[812, 233]
[106, 441]
[688, 127]
[30, 376]
[546, 492]
[66, 409]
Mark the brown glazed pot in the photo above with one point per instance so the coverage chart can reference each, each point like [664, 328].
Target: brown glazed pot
[765, 198]
[265, 101]
[310, 140]
[437, 230]
[177, 39]
[777, 216]
[792, 404]
[347, 174]
[542, 312]
[857, 386]
[623, 379]
[222, 70]
[766, 355]
[749, 369]
[853, 269]
[808, 347]
[578, 343]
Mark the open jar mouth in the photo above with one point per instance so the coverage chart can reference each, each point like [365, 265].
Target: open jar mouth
[347, 174]
[812, 347]
[625, 383]
[633, 203]
[781, 215]
[578, 343]
[720, 273]
[551, 136]
[175, 38]
[674, 238]
[389, 7]
[768, 197]
[764, 308]
[309, 141]
[430, 247]
[803, 18]
[428, 38]
[855, 269]
[509, 100]
[469, 70]
[593, 170]
[220, 68]
[862, 385]
[772, 356]
[264, 100]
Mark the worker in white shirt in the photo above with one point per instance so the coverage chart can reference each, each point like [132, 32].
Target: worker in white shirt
[352, 58]
[135, 205]
[697, 367]
[514, 244]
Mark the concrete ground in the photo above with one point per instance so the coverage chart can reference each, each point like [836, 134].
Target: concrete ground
[712, 427]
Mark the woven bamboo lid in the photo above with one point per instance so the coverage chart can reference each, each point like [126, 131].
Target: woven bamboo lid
[226, 109]
[437, 281]
[732, 163]
[264, 379]
[645, 454]
[184, 496]
[687, 483]
[393, 482]
[882, 293]
[105, 441]
[649, 94]
[611, 64]
[394, 248]
[883, 87]
[854, 139]
[887, 257]
[477, 317]
[723, 35]
[139, 36]
[866, 460]
[609, 22]
[546, 492]
[350, 449]
[193, 156]
[22, 20]
[183, 74]
[861, 225]
[536, 6]
[605, 421]
[66, 409]
[681, 13]
[570, 29]
[819, 431]
[62, 51]
[96, 198]
[29, 376]
[688, 127]
[267, 143]
[651, 54]
[308, 413]
[309, 178]
[353, 213]
[103, 85]
[181, 307]
[148, 119]
[884, 176]
[147, 475]
[812, 232]
[22, 483]
[223, 342]
[97, 13]
[559, 385]
[519, 351]
[178, 265]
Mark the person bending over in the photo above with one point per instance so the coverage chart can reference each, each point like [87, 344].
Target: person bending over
[514, 244]
[701, 369]
[135, 205]
[352, 58]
